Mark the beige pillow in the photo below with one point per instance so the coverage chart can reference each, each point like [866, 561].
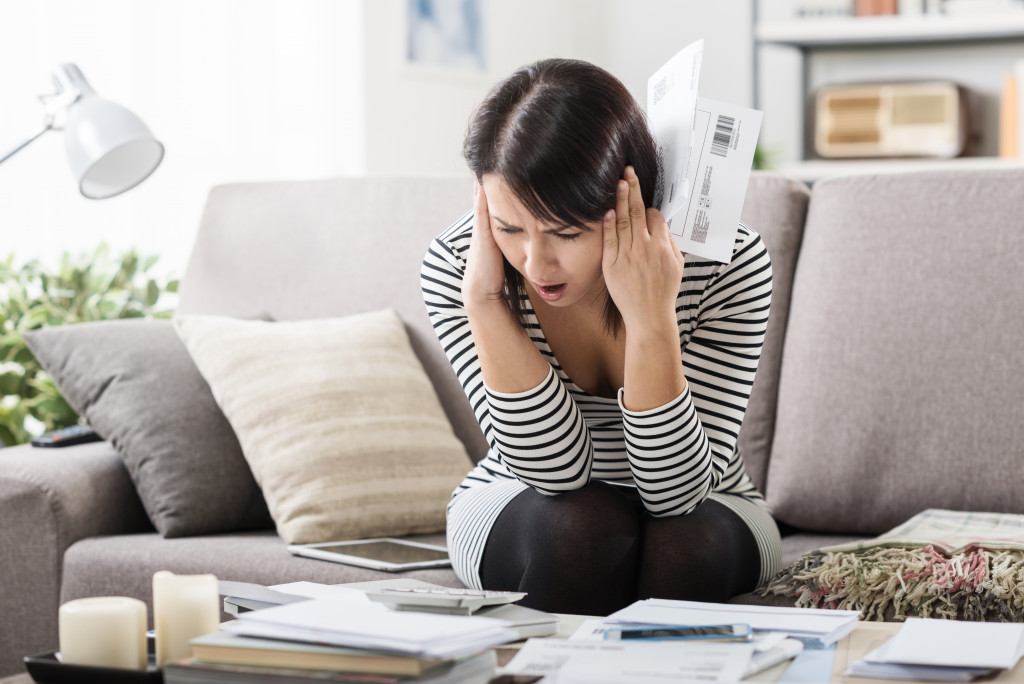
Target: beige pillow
[337, 420]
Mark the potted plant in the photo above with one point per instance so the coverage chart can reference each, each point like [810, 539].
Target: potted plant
[86, 287]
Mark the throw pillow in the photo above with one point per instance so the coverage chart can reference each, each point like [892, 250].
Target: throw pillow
[337, 419]
[136, 384]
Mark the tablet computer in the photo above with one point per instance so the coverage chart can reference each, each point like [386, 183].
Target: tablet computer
[382, 553]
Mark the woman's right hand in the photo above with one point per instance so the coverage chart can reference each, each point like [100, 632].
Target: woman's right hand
[484, 280]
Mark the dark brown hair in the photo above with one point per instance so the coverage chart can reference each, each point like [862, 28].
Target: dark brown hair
[560, 133]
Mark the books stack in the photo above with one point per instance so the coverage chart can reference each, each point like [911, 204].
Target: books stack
[337, 639]
[348, 667]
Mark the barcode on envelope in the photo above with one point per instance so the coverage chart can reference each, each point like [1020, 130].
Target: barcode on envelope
[723, 135]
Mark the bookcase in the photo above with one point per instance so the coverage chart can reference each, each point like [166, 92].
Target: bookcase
[794, 58]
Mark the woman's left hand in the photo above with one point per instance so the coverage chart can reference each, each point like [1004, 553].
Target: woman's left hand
[641, 264]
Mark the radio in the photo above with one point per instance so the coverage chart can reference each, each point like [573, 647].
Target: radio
[924, 119]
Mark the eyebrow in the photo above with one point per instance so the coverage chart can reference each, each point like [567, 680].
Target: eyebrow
[556, 229]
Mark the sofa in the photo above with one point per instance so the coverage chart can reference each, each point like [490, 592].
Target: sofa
[891, 378]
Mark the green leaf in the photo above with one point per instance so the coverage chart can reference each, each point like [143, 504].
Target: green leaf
[10, 382]
[152, 293]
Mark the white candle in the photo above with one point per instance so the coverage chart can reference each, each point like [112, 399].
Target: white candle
[184, 607]
[108, 631]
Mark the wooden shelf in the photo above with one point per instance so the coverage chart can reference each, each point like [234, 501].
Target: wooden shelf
[810, 171]
[853, 31]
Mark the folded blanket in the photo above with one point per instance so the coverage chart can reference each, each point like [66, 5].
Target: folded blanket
[944, 564]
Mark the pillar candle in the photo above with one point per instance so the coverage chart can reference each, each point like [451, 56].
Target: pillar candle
[184, 607]
[108, 631]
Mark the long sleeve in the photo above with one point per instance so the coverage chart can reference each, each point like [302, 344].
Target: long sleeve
[539, 435]
[678, 453]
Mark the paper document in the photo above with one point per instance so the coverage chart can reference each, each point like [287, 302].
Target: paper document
[705, 149]
[724, 139]
[948, 531]
[827, 626]
[770, 648]
[671, 105]
[340, 622]
[874, 665]
[955, 643]
[629, 662]
[257, 592]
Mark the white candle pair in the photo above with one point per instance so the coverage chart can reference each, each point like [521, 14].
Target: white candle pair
[110, 631]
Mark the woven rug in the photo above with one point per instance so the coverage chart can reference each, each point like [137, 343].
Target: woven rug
[939, 564]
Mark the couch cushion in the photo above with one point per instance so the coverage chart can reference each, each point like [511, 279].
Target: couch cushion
[775, 207]
[346, 246]
[124, 565]
[901, 376]
[135, 383]
[337, 420]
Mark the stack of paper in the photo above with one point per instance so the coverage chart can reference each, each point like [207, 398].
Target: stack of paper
[336, 621]
[628, 662]
[826, 626]
[944, 650]
[770, 648]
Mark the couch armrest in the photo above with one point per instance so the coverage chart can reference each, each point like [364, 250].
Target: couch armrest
[49, 499]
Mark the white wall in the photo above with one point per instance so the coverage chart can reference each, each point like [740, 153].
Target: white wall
[243, 90]
[234, 95]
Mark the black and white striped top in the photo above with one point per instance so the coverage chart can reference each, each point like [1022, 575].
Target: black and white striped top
[556, 437]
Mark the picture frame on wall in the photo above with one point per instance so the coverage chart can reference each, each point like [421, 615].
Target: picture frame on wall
[446, 36]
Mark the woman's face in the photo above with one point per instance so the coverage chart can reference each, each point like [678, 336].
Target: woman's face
[560, 264]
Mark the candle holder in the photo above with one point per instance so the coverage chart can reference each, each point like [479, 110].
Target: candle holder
[47, 669]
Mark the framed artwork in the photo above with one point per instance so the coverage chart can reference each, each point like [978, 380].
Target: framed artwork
[446, 35]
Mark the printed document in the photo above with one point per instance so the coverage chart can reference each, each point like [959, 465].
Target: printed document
[827, 626]
[631, 662]
[705, 149]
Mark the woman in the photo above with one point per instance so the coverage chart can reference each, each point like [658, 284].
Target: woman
[608, 371]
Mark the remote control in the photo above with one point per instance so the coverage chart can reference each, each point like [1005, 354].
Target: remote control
[69, 436]
[442, 599]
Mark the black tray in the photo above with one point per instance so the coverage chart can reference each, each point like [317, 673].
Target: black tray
[46, 669]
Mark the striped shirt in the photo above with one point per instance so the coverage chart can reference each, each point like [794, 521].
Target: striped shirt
[556, 437]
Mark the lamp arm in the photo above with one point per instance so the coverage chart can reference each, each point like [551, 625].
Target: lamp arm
[25, 144]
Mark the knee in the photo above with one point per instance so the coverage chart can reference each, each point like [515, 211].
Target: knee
[594, 527]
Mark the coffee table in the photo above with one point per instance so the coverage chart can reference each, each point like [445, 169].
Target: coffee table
[866, 637]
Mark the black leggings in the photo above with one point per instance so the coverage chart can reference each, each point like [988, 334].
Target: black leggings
[595, 550]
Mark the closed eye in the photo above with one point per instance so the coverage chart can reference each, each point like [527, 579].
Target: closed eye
[569, 236]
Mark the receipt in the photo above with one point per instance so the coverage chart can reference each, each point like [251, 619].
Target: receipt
[671, 105]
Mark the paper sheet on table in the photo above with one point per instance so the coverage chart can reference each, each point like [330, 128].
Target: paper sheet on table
[671, 105]
[813, 623]
[955, 643]
[314, 590]
[770, 648]
[724, 138]
[875, 665]
[626, 663]
[340, 622]
[257, 592]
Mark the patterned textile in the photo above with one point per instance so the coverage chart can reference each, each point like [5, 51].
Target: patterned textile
[940, 564]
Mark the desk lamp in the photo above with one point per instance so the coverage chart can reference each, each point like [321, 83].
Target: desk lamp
[109, 149]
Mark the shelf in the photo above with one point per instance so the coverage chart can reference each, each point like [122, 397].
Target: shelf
[810, 171]
[853, 31]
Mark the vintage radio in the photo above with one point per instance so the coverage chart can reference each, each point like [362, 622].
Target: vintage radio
[925, 119]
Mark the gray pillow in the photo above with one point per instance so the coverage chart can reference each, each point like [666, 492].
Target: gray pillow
[136, 384]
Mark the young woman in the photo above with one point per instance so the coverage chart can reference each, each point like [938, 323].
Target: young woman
[608, 371]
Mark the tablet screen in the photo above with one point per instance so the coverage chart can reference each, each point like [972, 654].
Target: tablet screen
[389, 552]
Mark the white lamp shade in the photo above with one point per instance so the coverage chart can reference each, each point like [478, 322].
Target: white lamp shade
[109, 149]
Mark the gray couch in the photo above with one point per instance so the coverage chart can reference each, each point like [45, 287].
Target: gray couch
[890, 382]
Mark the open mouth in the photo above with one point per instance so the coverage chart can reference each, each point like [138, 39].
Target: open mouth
[552, 293]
